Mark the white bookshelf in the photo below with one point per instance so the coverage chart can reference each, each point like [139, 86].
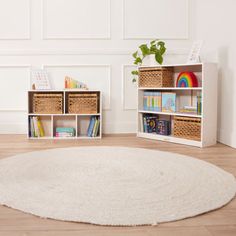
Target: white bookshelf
[207, 78]
[79, 122]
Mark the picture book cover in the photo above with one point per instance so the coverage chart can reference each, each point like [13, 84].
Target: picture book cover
[150, 123]
[163, 127]
[168, 102]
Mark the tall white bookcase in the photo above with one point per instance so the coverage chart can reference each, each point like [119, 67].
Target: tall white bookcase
[207, 78]
[50, 121]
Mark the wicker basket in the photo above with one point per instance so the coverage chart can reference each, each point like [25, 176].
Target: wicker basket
[156, 77]
[48, 103]
[187, 127]
[84, 103]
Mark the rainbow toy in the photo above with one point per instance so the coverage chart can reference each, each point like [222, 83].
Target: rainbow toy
[187, 79]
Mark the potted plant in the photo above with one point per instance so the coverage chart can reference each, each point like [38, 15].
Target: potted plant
[156, 48]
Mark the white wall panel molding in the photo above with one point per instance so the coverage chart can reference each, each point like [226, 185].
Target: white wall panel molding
[129, 89]
[170, 22]
[15, 19]
[88, 51]
[15, 81]
[86, 73]
[77, 19]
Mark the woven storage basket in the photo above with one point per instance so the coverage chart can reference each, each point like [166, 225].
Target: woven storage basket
[48, 103]
[84, 103]
[156, 77]
[187, 127]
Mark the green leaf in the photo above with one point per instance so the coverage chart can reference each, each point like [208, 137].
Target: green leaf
[159, 58]
[134, 72]
[161, 43]
[134, 80]
[135, 54]
[145, 50]
[162, 50]
[153, 49]
[137, 61]
[153, 42]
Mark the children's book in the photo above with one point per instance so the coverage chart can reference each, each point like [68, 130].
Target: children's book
[144, 124]
[91, 126]
[168, 102]
[40, 127]
[163, 127]
[97, 128]
[149, 122]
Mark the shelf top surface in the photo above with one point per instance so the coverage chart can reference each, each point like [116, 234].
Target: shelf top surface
[180, 64]
[64, 90]
[170, 88]
[64, 114]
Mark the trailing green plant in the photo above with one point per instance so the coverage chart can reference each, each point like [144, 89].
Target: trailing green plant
[155, 47]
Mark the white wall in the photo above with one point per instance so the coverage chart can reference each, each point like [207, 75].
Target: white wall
[93, 41]
[214, 22]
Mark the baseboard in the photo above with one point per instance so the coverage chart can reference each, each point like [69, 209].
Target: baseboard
[13, 128]
[227, 137]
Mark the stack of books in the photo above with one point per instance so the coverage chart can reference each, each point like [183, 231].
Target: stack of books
[189, 109]
[65, 132]
[93, 128]
[152, 101]
[35, 127]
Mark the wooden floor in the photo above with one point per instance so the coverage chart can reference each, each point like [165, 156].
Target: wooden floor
[219, 222]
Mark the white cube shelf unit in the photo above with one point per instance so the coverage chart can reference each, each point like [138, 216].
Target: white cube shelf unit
[64, 119]
[207, 85]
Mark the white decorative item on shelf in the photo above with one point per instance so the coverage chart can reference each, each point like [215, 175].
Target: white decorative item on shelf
[194, 55]
[149, 61]
[40, 79]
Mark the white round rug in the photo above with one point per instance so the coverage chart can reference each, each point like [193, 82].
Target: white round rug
[113, 185]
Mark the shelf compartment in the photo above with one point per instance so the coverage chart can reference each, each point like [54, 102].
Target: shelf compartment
[183, 99]
[63, 121]
[46, 123]
[82, 102]
[83, 126]
[41, 102]
[187, 127]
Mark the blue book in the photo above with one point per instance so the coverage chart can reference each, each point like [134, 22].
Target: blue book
[65, 129]
[144, 124]
[91, 126]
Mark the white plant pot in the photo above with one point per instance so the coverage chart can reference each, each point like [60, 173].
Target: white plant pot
[149, 61]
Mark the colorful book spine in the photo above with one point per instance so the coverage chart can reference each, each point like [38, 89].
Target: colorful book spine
[152, 101]
[36, 127]
[40, 128]
[199, 104]
[144, 124]
[91, 126]
[145, 101]
[96, 127]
